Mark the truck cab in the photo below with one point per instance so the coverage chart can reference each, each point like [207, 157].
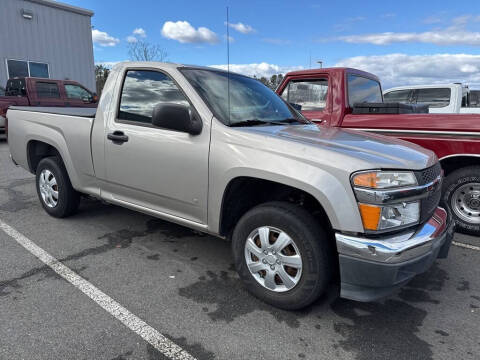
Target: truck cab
[30, 91]
[440, 98]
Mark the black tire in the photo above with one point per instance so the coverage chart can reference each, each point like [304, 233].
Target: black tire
[451, 186]
[68, 198]
[311, 240]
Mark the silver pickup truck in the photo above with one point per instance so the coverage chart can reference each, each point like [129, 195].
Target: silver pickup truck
[220, 153]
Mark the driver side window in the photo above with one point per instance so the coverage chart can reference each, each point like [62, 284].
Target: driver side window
[143, 90]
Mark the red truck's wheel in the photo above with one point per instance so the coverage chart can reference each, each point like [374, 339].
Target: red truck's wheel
[461, 196]
[55, 191]
[282, 255]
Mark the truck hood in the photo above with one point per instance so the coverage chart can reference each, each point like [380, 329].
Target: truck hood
[360, 150]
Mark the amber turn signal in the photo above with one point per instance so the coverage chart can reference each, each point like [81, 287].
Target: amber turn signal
[366, 180]
[370, 216]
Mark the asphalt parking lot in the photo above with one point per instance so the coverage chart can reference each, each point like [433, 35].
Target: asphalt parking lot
[183, 284]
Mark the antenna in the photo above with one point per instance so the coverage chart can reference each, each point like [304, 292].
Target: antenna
[228, 68]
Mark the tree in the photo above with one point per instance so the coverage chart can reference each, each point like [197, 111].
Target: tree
[273, 82]
[101, 75]
[264, 81]
[144, 51]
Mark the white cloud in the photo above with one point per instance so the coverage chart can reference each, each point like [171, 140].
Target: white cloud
[450, 36]
[402, 69]
[455, 34]
[131, 39]
[140, 32]
[103, 39]
[240, 27]
[258, 69]
[183, 32]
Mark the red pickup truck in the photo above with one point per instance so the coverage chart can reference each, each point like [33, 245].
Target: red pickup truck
[350, 98]
[44, 92]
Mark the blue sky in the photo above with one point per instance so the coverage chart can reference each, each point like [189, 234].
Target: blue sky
[402, 41]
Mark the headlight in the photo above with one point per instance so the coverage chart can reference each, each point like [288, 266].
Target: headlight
[383, 217]
[384, 179]
[379, 195]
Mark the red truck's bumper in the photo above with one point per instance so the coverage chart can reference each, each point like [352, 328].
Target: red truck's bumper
[373, 268]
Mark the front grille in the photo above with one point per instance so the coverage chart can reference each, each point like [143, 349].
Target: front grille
[429, 204]
[429, 174]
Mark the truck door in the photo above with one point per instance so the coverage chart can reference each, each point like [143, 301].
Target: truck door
[149, 167]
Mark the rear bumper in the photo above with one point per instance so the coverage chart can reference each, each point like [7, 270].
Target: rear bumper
[373, 268]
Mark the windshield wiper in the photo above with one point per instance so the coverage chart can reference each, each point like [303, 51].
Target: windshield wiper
[291, 121]
[255, 122]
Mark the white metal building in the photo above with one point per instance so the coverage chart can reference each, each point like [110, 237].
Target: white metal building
[45, 38]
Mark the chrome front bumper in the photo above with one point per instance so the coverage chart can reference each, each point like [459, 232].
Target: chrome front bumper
[373, 268]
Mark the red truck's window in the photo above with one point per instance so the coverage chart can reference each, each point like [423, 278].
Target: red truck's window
[308, 95]
[142, 90]
[363, 90]
[77, 92]
[47, 89]
[16, 87]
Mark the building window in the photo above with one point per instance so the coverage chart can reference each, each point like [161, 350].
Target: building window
[19, 69]
[38, 69]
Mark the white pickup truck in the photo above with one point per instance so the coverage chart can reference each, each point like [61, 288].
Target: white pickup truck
[441, 98]
[223, 154]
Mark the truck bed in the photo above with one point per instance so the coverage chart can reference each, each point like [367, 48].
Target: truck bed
[65, 129]
[69, 111]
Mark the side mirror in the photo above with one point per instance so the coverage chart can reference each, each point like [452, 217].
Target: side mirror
[176, 117]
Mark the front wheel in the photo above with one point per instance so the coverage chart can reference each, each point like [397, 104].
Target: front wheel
[282, 255]
[461, 196]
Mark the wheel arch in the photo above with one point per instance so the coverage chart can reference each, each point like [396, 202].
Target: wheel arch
[454, 162]
[37, 149]
[242, 193]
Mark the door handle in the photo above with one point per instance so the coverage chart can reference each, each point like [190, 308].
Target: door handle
[118, 137]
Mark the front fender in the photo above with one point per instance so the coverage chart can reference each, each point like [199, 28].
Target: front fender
[337, 200]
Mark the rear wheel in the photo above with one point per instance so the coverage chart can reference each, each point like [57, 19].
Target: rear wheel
[282, 255]
[462, 198]
[55, 191]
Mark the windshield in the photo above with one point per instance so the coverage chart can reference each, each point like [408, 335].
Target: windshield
[251, 102]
